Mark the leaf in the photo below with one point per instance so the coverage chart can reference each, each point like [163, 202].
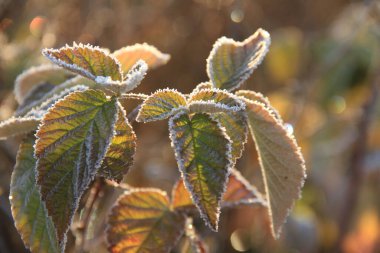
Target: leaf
[34, 76]
[281, 161]
[72, 141]
[129, 55]
[230, 63]
[203, 153]
[234, 121]
[201, 86]
[161, 105]
[134, 77]
[29, 213]
[119, 157]
[181, 198]
[86, 60]
[35, 94]
[17, 125]
[141, 221]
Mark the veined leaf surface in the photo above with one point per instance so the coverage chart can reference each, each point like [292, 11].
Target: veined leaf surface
[281, 162]
[72, 141]
[230, 63]
[119, 157]
[129, 55]
[141, 221]
[161, 105]
[30, 215]
[203, 153]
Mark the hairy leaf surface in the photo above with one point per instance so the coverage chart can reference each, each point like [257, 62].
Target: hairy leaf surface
[119, 157]
[231, 63]
[281, 162]
[30, 215]
[129, 55]
[160, 105]
[141, 221]
[71, 144]
[203, 153]
[18, 125]
[88, 61]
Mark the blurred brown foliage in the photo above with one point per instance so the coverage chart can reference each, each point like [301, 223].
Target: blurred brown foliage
[322, 67]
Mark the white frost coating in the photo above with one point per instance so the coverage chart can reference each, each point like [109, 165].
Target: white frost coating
[236, 99]
[177, 152]
[22, 85]
[252, 65]
[18, 125]
[201, 86]
[212, 107]
[134, 76]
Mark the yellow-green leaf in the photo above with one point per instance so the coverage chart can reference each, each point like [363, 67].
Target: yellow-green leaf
[281, 161]
[72, 141]
[161, 105]
[129, 55]
[203, 153]
[119, 157]
[231, 63]
[91, 62]
[31, 219]
[141, 221]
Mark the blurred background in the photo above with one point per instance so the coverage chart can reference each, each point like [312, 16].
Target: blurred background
[322, 73]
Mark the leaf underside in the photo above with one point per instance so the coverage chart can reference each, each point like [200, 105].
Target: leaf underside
[231, 63]
[18, 125]
[203, 153]
[141, 221]
[71, 143]
[29, 213]
[281, 162]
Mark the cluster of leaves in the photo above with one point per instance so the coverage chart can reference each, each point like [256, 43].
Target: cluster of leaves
[76, 130]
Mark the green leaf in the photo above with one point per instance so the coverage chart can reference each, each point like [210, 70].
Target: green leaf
[233, 120]
[119, 157]
[203, 153]
[281, 161]
[29, 213]
[72, 141]
[230, 63]
[18, 125]
[85, 60]
[129, 55]
[141, 221]
[161, 105]
[34, 76]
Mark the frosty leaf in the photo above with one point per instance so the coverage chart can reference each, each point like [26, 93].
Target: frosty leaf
[29, 213]
[281, 162]
[230, 63]
[18, 125]
[234, 121]
[128, 56]
[35, 94]
[88, 61]
[134, 77]
[160, 105]
[141, 221]
[33, 76]
[203, 153]
[202, 86]
[71, 143]
[119, 157]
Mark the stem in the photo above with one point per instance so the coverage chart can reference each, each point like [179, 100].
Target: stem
[138, 96]
[356, 168]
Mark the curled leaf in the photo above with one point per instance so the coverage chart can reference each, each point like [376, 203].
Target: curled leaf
[141, 221]
[281, 161]
[161, 105]
[18, 125]
[230, 63]
[129, 55]
[203, 153]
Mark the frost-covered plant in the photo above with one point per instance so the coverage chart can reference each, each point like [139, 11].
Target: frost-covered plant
[76, 131]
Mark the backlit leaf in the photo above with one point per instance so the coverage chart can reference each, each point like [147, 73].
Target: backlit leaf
[30, 216]
[71, 143]
[119, 157]
[204, 85]
[86, 60]
[281, 161]
[141, 221]
[134, 76]
[161, 105]
[128, 56]
[230, 63]
[34, 76]
[203, 153]
[18, 125]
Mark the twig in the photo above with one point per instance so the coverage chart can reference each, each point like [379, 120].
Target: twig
[133, 114]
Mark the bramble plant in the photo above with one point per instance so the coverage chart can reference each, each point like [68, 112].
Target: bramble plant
[77, 132]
